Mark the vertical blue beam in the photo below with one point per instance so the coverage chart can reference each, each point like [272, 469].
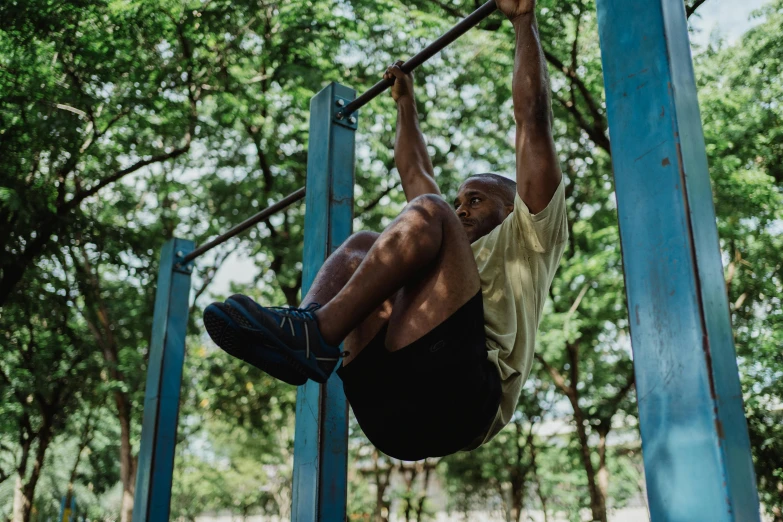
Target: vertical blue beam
[67, 513]
[164, 376]
[321, 440]
[694, 434]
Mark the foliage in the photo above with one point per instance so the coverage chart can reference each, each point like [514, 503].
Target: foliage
[123, 124]
[744, 139]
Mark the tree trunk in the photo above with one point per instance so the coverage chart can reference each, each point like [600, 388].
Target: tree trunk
[409, 491]
[597, 500]
[381, 483]
[85, 439]
[534, 470]
[20, 502]
[101, 328]
[603, 471]
[24, 493]
[127, 467]
[427, 473]
[517, 477]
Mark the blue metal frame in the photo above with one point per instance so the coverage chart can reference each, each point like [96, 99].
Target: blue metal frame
[70, 515]
[152, 500]
[694, 434]
[321, 440]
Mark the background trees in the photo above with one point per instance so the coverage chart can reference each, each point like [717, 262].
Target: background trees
[123, 124]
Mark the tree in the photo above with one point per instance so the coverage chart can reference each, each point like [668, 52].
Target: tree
[502, 472]
[740, 88]
[125, 124]
[126, 89]
[47, 373]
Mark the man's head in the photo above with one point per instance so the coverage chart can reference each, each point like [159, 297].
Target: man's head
[483, 202]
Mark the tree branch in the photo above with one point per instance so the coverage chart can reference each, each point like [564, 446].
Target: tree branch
[597, 136]
[615, 401]
[208, 279]
[374, 203]
[82, 195]
[577, 301]
[19, 395]
[690, 9]
[596, 130]
[266, 171]
[557, 377]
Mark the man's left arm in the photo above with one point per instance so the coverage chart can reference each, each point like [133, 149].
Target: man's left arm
[538, 168]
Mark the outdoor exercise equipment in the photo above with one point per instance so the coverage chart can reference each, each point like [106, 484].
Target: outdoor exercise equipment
[694, 434]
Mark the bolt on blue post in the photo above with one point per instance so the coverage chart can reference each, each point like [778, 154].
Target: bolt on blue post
[152, 500]
[695, 441]
[321, 437]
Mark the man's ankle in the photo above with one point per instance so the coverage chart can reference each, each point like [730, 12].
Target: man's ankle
[323, 322]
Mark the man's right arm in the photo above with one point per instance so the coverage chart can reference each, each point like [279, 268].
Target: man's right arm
[410, 150]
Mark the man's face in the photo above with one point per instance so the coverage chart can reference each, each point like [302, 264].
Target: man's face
[480, 206]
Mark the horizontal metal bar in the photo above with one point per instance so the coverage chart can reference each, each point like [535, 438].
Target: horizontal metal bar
[428, 52]
[222, 238]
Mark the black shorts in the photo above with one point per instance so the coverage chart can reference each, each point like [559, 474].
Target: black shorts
[433, 397]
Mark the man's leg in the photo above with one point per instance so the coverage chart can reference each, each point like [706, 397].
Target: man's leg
[422, 262]
[424, 253]
[334, 275]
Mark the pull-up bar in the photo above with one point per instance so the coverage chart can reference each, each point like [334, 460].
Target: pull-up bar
[425, 54]
[249, 222]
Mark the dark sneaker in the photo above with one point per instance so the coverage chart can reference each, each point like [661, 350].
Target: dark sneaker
[223, 326]
[292, 333]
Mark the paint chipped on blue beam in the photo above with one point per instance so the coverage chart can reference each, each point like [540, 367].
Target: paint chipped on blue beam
[694, 434]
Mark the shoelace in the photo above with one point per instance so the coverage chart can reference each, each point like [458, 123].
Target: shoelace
[302, 315]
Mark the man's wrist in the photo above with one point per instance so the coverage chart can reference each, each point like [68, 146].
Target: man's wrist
[523, 19]
[405, 102]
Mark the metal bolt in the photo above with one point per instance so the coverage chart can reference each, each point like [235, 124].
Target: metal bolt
[352, 120]
[180, 254]
[340, 116]
[341, 103]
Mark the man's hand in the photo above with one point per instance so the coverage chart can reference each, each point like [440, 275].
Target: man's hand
[515, 8]
[403, 83]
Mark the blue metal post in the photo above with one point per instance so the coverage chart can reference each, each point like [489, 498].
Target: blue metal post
[694, 434]
[164, 376]
[67, 513]
[321, 440]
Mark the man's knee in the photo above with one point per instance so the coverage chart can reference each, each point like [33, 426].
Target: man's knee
[361, 241]
[355, 248]
[430, 206]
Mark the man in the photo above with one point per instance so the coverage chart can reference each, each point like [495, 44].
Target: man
[437, 313]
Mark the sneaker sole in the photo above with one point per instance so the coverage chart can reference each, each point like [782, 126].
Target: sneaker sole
[296, 358]
[223, 326]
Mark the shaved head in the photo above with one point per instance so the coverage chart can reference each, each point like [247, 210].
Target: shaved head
[483, 202]
[507, 188]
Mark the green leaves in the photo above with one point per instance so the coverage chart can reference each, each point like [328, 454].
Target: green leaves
[123, 124]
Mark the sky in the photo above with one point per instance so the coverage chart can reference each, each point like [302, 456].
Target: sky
[728, 19]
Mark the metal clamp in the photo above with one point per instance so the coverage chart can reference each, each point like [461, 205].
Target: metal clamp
[186, 268]
[351, 122]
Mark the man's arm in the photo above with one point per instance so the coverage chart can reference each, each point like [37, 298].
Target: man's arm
[538, 169]
[410, 150]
